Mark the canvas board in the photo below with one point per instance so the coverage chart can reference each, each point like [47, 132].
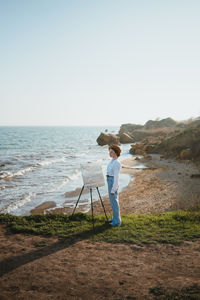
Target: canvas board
[92, 175]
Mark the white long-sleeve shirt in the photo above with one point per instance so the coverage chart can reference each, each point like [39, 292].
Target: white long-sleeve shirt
[113, 169]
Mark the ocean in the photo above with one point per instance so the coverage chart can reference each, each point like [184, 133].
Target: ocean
[42, 163]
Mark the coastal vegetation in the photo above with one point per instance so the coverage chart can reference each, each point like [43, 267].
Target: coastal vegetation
[167, 227]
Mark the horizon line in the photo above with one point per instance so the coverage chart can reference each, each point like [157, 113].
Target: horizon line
[14, 125]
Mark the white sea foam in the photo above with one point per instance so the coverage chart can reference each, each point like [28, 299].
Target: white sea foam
[5, 174]
[75, 175]
[59, 186]
[8, 174]
[76, 155]
[50, 162]
[13, 205]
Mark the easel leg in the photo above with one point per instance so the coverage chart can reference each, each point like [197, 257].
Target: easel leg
[78, 200]
[92, 208]
[102, 203]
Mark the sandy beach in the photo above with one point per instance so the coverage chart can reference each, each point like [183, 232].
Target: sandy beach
[164, 186]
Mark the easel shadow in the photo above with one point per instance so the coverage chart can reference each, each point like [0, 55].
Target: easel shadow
[9, 264]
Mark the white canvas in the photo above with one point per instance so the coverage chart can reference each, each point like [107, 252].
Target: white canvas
[92, 175]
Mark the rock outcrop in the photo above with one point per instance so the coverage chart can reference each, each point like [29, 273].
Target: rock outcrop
[180, 145]
[129, 128]
[168, 122]
[153, 128]
[146, 146]
[149, 129]
[183, 145]
[180, 140]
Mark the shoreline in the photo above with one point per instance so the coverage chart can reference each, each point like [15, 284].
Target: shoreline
[164, 185]
[50, 206]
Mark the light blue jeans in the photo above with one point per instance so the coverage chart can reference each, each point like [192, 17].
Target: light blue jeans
[114, 201]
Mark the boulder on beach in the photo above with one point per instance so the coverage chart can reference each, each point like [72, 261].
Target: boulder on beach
[108, 139]
[137, 158]
[126, 138]
[185, 154]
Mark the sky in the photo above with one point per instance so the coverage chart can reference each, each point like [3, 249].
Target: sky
[98, 62]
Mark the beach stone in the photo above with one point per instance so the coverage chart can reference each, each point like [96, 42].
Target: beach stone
[108, 139]
[137, 158]
[186, 154]
[195, 176]
[137, 149]
[42, 207]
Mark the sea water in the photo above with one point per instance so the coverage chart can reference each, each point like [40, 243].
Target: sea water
[42, 163]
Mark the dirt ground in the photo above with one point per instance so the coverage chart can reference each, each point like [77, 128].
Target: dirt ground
[92, 270]
[83, 269]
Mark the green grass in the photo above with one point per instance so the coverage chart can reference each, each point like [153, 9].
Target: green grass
[168, 227]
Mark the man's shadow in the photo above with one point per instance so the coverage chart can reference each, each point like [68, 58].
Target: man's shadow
[14, 262]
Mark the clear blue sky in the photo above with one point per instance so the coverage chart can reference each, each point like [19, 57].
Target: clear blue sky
[98, 62]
